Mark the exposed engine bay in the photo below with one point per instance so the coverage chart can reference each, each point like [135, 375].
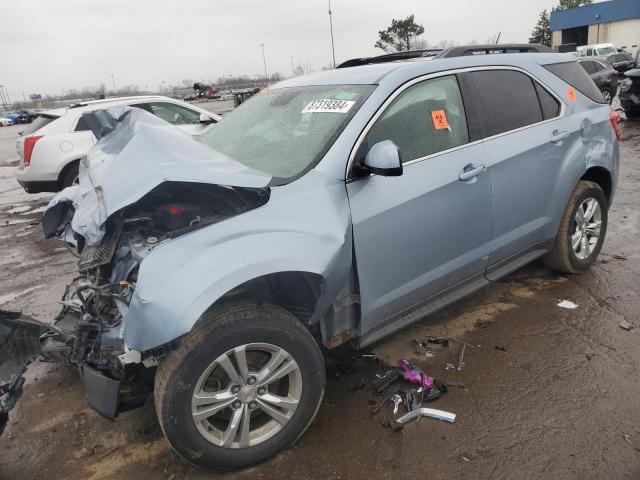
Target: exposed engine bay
[88, 331]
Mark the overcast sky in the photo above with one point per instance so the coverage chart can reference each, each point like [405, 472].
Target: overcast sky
[50, 45]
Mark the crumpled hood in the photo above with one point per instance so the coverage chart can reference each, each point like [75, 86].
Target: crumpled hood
[135, 153]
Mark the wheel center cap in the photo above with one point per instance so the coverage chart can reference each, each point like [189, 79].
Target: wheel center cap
[248, 393]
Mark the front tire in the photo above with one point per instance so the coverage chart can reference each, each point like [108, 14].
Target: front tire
[241, 387]
[582, 230]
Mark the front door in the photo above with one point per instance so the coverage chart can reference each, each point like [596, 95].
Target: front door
[430, 228]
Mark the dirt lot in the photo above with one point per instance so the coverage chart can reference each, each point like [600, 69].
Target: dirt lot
[558, 400]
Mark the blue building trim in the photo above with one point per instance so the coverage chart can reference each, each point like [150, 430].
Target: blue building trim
[612, 11]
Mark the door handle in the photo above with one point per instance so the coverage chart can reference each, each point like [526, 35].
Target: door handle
[558, 136]
[470, 172]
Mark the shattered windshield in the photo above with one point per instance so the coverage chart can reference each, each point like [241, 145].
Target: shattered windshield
[284, 132]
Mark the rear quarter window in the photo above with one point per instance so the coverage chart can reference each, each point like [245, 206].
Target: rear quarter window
[574, 75]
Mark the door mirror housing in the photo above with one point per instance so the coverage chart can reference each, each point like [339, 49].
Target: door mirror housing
[204, 118]
[384, 159]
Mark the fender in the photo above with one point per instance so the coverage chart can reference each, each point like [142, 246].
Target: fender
[182, 278]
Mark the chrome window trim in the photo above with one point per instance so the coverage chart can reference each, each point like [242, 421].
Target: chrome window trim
[429, 76]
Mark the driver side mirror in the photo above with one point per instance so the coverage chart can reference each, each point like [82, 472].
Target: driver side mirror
[384, 159]
[204, 118]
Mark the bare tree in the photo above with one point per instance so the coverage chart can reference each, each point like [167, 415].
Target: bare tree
[402, 35]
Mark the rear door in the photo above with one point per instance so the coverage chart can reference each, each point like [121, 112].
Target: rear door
[430, 228]
[527, 140]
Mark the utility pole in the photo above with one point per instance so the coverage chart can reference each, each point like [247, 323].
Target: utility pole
[114, 83]
[333, 48]
[264, 60]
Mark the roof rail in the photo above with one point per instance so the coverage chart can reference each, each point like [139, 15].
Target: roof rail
[492, 48]
[390, 57]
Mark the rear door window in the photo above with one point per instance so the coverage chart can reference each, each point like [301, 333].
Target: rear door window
[38, 123]
[576, 76]
[426, 118]
[597, 66]
[497, 101]
[588, 67]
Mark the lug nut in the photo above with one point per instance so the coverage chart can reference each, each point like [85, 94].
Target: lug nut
[253, 405]
[251, 380]
[262, 391]
[237, 404]
[235, 389]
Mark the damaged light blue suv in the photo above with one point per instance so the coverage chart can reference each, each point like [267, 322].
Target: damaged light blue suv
[331, 208]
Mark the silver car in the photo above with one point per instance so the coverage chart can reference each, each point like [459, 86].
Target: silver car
[330, 209]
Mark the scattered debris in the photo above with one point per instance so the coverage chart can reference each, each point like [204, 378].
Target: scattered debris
[626, 325]
[423, 350]
[12, 435]
[415, 375]
[627, 438]
[567, 304]
[461, 357]
[426, 412]
[383, 382]
[501, 349]
[617, 256]
[397, 400]
[444, 341]
[465, 458]
[449, 366]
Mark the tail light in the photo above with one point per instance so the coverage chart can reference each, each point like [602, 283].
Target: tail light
[614, 117]
[29, 143]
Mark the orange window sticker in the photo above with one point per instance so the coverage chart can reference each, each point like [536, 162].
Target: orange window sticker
[439, 118]
[571, 94]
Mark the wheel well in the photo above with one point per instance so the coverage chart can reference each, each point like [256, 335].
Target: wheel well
[297, 292]
[65, 169]
[602, 177]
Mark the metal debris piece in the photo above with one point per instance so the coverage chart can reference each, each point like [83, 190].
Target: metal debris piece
[397, 400]
[455, 384]
[501, 348]
[567, 304]
[626, 325]
[461, 357]
[423, 350]
[426, 412]
[382, 383]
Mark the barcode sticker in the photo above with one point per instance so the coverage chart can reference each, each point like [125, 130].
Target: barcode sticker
[327, 105]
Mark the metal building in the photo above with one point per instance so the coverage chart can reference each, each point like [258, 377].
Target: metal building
[615, 21]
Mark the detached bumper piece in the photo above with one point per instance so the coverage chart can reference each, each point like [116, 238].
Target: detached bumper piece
[19, 346]
[103, 393]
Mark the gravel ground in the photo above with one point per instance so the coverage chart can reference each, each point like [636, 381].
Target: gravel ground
[557, 398]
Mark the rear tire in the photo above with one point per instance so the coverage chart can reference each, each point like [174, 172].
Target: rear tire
[579, 238]
[266, 336]
[70, 176]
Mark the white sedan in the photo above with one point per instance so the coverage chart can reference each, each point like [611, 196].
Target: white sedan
[5, 122]
[51, 148]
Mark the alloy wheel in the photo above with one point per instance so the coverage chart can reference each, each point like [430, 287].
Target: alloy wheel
[586, 232]
[246, 395]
